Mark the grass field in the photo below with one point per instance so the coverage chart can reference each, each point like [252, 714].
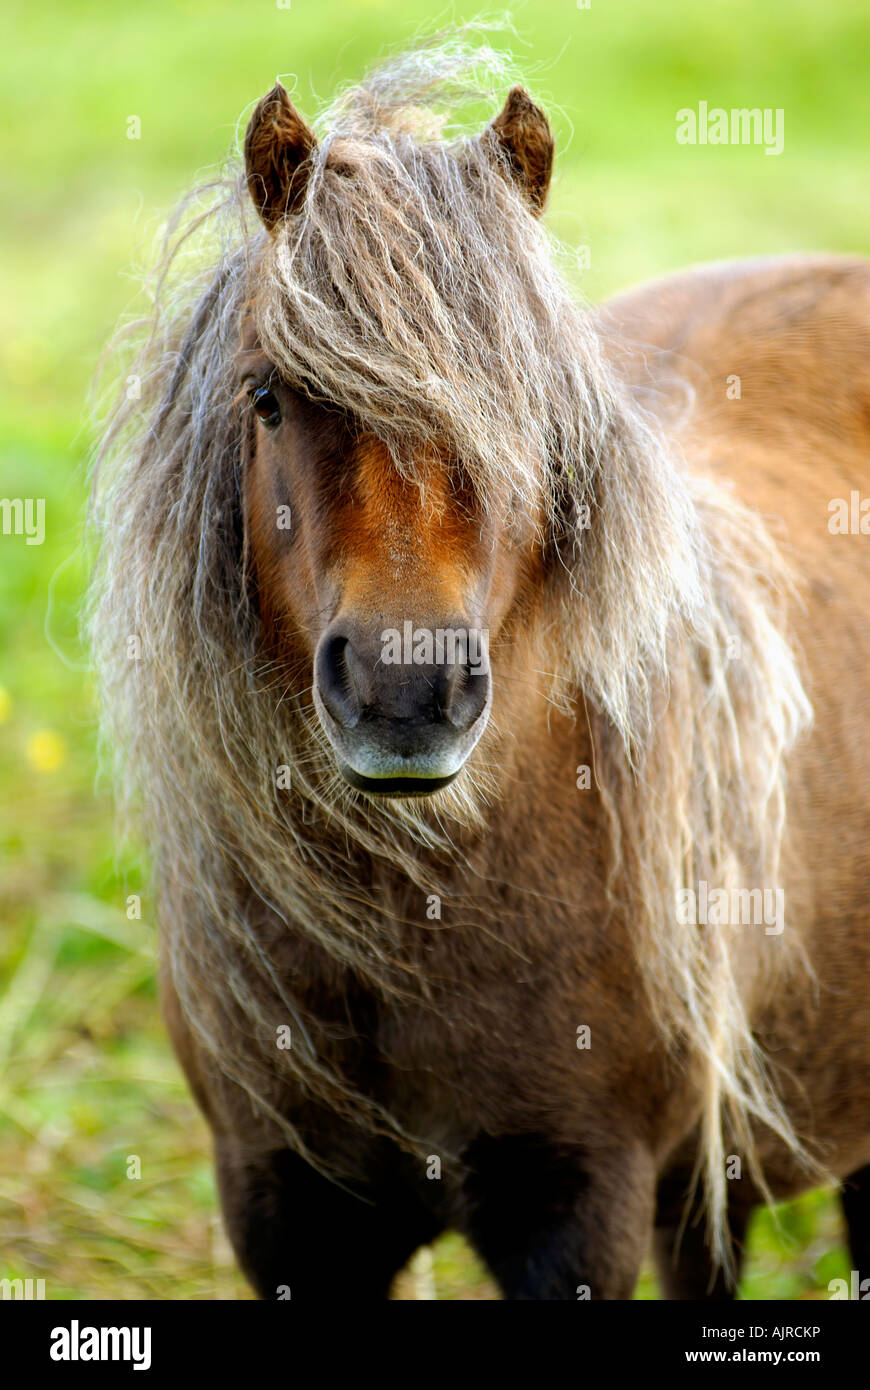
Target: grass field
[87, 1080]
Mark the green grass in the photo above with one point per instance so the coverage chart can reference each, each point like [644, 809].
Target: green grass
[87, 1075]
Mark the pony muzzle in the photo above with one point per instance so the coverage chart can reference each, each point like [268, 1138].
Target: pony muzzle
[399, 728]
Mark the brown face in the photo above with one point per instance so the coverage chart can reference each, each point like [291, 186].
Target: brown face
[382, 593]
[387, 591]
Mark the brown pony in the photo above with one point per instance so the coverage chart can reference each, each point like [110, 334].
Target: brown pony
[461, 648]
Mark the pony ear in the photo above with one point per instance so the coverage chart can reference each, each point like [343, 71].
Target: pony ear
[522, 134]
[277, 145]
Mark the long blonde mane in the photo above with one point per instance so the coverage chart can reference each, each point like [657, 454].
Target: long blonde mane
[415, 290]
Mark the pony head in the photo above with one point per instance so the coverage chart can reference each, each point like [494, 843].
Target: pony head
[394, 492]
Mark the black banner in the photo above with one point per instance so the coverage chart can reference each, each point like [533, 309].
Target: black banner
[86, 1340]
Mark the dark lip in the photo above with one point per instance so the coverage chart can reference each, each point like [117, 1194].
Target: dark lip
[395, 786]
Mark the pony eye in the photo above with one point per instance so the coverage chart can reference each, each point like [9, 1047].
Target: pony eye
[266, 406]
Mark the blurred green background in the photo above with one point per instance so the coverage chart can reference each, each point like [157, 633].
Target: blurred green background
[86, 1076]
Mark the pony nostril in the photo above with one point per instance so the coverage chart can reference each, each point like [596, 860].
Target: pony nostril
[334, 678]
[467, 695]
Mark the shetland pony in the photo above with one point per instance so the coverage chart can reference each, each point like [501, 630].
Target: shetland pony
[496, 714]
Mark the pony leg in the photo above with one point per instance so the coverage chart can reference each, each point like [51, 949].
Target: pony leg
[298, 1235]
[855, 1201]
[684, 1265]
[682, 1256]
[555, 1223]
